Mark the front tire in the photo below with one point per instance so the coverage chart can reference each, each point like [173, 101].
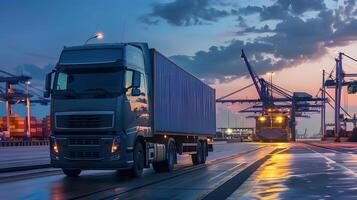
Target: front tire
[71, 172]
[138, 158]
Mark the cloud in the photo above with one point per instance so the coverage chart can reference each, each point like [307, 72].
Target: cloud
[254, 29]
[224, 64]
[292, 41]
[283, 8]
[185, 13]
[36, 72]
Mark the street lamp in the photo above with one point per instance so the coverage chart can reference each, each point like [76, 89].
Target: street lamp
[271, 74]
[28, 131]
[98, 36]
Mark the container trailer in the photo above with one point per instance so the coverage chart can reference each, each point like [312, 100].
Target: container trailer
[125, 106]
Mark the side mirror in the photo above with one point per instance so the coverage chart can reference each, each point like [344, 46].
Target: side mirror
[136, 81]
[48, 83]
[135, 92]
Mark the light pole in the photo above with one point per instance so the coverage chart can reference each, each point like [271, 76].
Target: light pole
[227, 118]
[28, 131]
[271, 74]
[98, 36]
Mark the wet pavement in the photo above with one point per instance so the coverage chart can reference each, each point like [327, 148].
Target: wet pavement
[99, 184]
[304, 172]
[292, 171]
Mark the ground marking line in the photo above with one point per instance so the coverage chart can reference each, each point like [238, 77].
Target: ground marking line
[334, 162]
[229, 170]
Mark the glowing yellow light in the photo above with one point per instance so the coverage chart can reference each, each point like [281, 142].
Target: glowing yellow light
[279, 119]
[165, 136]
[270, 73]
[269, 110]
[115, 145]
[114, 148]
[99, 35]
[262, 118]
[229, 131]
[280, 145]
[55, 148]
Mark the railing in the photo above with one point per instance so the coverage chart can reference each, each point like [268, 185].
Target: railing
[24, 143]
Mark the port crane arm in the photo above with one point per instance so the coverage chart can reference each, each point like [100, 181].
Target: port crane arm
[253, 75]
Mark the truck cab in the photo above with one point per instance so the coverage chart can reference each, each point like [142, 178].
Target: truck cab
[99, 95]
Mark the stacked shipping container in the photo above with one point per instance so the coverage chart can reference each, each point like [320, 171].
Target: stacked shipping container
[38, 129]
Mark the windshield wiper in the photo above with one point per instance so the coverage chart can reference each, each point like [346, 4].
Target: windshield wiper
[97, 90]
[69, 93]
[101, 90]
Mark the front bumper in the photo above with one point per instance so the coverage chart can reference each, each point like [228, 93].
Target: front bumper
[90, 152]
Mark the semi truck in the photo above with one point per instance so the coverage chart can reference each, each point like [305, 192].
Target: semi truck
[126, 107]
[272, 127]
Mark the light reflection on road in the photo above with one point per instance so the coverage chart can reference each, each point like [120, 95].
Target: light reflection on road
[302, 172]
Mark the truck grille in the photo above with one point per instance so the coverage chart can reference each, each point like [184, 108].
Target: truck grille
[83, 141]
[84, 121]
[82, 155]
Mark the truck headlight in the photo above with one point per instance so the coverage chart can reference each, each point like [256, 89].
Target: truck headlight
[115, 145]
[54, 146]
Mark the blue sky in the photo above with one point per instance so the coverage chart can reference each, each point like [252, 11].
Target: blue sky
[203, 36]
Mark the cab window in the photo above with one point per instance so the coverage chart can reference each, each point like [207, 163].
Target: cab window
[134, 57]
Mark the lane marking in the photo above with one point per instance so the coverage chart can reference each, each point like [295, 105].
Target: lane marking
[229, 170]
[231, 185]
[350, 171]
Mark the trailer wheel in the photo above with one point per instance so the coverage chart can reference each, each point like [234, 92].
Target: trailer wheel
[168, 164]
[204, 152]
[71, 172]
[197, 157]
[138, 158]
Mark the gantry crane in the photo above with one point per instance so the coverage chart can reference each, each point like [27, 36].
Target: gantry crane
[297, 103]
[338, 83]
[12, 96]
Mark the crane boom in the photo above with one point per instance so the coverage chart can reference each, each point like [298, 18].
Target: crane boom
[253, 75]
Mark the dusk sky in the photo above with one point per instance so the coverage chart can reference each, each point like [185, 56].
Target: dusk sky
[297, 39]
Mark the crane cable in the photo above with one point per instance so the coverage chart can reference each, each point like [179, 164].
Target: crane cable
[340, 105]
[239, 90]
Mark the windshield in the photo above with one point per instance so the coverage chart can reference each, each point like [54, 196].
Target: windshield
[89, 83]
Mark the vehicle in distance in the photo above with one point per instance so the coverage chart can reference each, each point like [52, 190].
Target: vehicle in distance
[124, 106]
[272, 127]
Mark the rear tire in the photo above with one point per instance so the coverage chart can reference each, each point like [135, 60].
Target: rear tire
[138, 158]
[204, 152]
[197, 158]
[169, 163]
[71, 172]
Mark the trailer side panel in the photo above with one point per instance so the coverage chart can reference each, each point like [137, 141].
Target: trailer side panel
[183, 103]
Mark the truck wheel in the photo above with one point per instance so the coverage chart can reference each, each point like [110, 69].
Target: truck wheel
[197, 157]
[204, 152]
[138, 158]
[71, 172]
[168, 164]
